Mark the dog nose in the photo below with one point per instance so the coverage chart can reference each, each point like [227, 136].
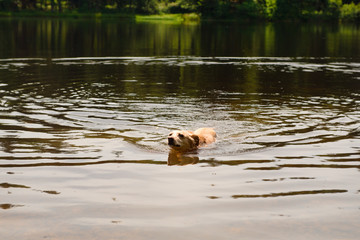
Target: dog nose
[171, 141]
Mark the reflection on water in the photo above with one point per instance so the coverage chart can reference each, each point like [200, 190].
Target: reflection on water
[83, 134]
[178, 158]
[54, 38]
[291, 193]
[6, 206]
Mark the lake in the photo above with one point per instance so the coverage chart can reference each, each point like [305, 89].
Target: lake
[86, 107]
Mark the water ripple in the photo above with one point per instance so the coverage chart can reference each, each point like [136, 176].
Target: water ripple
[306, 64]
[116, 120]
[295, 193]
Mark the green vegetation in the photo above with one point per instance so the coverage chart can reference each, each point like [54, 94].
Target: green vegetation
[182, 10]
[171, 18]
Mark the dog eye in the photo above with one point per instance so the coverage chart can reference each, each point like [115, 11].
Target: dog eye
[181, 135]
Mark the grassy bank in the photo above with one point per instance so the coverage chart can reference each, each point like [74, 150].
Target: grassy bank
[176, 18]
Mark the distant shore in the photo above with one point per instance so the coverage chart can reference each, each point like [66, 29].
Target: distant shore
[185, 17]
[172, 17]
[188, 10]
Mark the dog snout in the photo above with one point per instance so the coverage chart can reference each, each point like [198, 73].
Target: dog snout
[171, 141]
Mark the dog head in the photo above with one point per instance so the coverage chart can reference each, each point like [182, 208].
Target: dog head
[183, 140]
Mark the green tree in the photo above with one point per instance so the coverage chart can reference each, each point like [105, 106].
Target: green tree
[28, 4]
[8, 5]
[286, 9]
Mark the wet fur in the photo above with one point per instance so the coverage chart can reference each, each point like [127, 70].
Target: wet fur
[184, 141]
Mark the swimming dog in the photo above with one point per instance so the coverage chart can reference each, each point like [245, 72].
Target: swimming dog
[185, 141]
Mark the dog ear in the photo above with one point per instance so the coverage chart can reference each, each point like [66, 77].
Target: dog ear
[196, 139]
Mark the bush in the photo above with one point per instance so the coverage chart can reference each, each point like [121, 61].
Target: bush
[269, 9]
[334, 7]
[8, 5]
[249, 10]
[181, 6]
[147, 6]
[350, 11]
[288, 9]
[214, 8]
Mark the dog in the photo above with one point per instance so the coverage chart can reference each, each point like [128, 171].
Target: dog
[185, 141]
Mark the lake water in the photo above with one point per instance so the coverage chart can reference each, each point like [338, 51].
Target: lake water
[86, 107]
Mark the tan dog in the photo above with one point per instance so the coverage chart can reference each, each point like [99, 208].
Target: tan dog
[184, 141]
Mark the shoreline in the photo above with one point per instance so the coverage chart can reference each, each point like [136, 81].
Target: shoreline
[171, 17]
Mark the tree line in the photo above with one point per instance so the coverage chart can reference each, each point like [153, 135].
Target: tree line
[222, 9]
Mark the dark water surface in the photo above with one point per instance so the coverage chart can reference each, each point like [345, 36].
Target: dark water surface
[86, 107]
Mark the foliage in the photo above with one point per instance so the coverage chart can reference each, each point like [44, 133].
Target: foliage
[249, 10]
[219, 9]
[287, 9]
[269, 8]
[334, 7]
[181, 6]
[350, 11]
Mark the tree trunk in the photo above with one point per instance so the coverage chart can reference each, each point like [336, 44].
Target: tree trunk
[59, 5]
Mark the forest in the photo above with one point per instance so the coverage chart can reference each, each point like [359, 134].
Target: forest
[269, 10]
